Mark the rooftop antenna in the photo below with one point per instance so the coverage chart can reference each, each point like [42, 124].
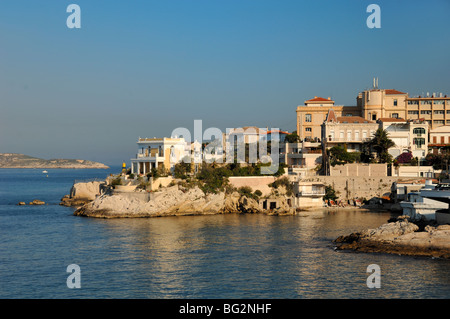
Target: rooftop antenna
[377, 82]
[374, 82]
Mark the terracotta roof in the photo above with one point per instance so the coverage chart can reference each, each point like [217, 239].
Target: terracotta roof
[353, 119]
[279, 132]
[393, 92]
[319, 99]
[391, 119]
[331, 117]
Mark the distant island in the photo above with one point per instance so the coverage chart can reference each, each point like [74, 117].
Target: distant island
[12, 160]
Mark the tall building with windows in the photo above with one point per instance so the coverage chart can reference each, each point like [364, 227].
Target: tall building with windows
[377, 103]
[372, 105]
[313, 113]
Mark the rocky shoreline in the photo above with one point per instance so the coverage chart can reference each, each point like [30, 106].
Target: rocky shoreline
[176, 201]
[401, 237]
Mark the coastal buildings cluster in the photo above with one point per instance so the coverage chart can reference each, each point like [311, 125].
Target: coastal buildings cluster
[416, 125]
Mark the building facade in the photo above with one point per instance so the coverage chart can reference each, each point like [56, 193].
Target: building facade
[351, 131]
[408, 136]
[157, 153]
[439, 140]
[313, 113]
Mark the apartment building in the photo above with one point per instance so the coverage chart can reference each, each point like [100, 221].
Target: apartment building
[378, 103]
[351, 131]
[313, 113]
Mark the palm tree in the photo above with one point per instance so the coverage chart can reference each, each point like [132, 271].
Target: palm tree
[381, 143]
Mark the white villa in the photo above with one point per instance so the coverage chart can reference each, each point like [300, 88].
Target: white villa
[157, 152]
[408, 136]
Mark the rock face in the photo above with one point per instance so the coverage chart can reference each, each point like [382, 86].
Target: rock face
[82, 193]
[170, 201]
[400, 237]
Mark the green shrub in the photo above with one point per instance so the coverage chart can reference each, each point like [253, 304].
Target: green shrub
[258, 193]
[284, 182]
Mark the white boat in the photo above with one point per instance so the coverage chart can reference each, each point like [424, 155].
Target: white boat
[44, 172]
[425, 204]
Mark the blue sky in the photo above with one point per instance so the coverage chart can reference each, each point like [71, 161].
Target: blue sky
[143, 68]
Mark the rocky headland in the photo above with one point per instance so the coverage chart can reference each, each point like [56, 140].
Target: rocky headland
[175, 201]
[12, 160]
[103, 200]
[400, 237]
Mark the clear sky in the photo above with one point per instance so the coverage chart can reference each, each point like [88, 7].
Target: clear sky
[143, 68]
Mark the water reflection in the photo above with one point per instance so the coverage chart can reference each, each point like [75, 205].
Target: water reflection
[258, 256]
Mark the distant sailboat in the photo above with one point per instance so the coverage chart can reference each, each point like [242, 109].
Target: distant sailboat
[44, 172]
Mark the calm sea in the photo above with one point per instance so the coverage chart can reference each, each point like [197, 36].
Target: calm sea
[223, 256]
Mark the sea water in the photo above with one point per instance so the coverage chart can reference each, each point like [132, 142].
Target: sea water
[221, 256]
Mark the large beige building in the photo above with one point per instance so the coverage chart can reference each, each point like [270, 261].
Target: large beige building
[311, 116]
[372, 105]
[377, 103]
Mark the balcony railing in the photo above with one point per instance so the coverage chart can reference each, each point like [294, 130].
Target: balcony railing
[312, 193]
[348, 140]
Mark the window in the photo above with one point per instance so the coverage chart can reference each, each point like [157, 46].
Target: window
[349, 135]
[440, 122]
[308, 129]
[413, 112]
[425, 102]
[439, 112]
[425, 112]
[308, 118]
[395, 115]
[413, 102]
[341, 134]
[419, 142]
[357, 135]
[419, 130]
[438, 101]
[395, 102]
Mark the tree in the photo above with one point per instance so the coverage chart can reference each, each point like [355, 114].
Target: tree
[381, 143]
[330, 193]
[339, 156]
[181, 170]
[292, 138]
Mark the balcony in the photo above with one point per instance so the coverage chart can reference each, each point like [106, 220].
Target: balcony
[315, 192]
[346, 140]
